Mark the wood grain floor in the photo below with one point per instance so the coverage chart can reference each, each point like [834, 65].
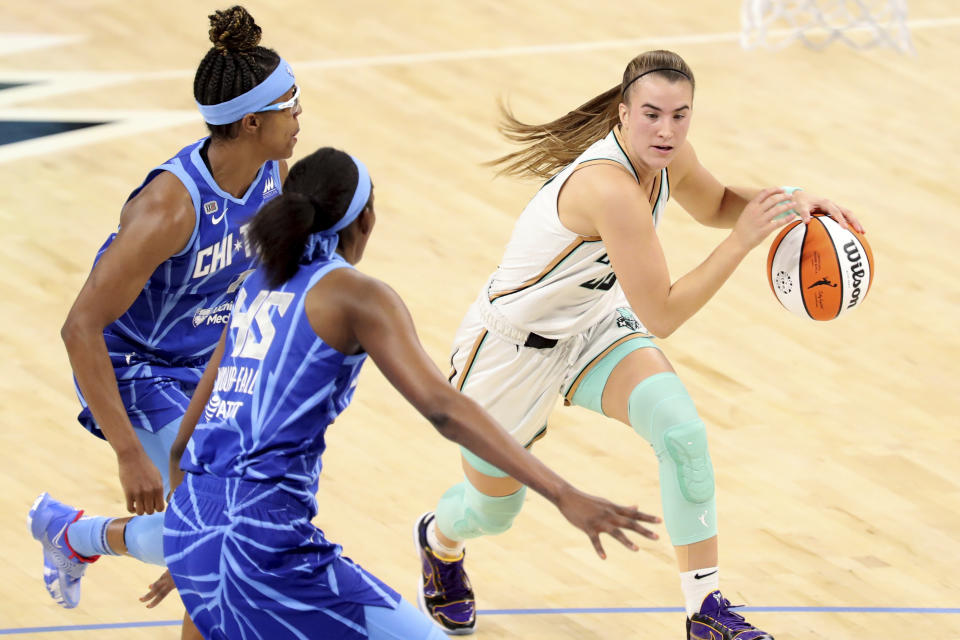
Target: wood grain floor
[835, 445]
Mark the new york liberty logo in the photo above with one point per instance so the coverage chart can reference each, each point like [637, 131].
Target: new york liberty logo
[627, 319]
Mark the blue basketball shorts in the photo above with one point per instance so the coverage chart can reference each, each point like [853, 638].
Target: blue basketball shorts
[248, 563]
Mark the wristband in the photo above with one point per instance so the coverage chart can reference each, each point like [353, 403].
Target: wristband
[789, 191]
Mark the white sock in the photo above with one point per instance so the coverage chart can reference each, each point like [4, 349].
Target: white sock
[697, 585]
[442, 550]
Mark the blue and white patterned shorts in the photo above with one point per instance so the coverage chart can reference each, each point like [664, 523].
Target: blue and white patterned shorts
[249, 564]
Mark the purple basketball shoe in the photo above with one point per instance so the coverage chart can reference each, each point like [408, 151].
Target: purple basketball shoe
[715, 621]
[444, 591]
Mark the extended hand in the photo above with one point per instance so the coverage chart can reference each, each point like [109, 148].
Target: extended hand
[142, 483]
[158, 590]
[807, 203]
[595, 515]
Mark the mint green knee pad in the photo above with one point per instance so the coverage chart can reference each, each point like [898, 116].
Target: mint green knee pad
[663, 413]
[464, 513]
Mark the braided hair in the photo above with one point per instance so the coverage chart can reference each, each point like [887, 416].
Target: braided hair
[234, 65]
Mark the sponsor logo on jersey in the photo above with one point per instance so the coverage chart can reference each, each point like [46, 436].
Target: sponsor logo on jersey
[211, 409]
[269, 187]
[217, 408]
[214, 315]
[211, 207]
[217, 219]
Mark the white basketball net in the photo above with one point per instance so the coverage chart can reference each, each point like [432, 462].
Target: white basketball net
[774, 24]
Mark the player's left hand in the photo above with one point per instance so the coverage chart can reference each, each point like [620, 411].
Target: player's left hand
[594, 515]
[808, 203]
[158, 590]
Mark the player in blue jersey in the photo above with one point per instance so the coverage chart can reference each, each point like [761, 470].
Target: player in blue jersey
[146, 321]
[238, 537]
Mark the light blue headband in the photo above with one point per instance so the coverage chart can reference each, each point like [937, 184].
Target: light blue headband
[276, 84]
[360, 198]
[322, 244]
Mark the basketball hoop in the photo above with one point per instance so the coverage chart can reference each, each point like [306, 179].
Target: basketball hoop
[861, 24]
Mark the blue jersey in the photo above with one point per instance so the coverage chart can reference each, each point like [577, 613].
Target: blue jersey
[159, 347]
[278, 388]
[242, 514]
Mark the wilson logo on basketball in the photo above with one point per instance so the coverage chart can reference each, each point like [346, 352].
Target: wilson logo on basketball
[831, 267]
[856, 271]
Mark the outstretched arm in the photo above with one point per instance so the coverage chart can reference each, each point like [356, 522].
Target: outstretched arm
[383, 327]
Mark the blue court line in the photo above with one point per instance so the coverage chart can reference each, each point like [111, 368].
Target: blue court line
[90, 627]
[514, 612]
[510, 612]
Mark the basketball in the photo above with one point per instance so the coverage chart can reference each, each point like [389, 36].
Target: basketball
[820, 270]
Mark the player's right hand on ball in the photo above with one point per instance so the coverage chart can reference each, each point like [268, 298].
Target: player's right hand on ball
[766, 213]
[594, 516]
[141, 482]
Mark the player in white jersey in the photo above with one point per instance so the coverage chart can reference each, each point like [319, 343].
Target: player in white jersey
[582, 289]
[553, 281]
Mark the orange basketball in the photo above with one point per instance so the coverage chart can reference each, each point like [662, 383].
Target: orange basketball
[820, 270]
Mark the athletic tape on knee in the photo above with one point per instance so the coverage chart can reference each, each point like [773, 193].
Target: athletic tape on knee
[663, 413]
[464, 513]
[143, 536]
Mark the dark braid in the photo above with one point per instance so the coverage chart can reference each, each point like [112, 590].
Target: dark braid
[234, 65]
[316, 195]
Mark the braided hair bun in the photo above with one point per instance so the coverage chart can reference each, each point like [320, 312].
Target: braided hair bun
[233, 30]
[235, 64]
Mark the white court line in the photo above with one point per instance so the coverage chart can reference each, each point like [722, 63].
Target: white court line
[45, 84]
[119, 123]
[69, 81]
[567, 47]
[19, 42]
[48, 84]
[90, 115]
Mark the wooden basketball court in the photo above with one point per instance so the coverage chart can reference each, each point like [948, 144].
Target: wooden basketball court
[835, 444]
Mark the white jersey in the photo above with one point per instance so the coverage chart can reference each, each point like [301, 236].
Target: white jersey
[552, 281]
